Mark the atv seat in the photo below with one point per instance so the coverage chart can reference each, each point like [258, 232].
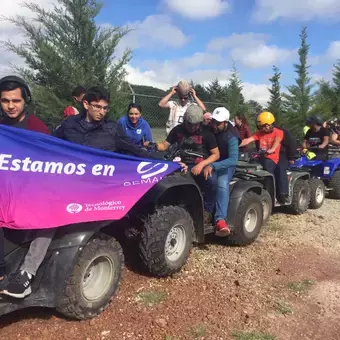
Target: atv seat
[250, 166]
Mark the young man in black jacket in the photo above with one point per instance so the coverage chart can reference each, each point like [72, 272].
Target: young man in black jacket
[92, 128]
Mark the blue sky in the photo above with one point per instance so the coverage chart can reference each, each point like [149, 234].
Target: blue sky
[199, 39]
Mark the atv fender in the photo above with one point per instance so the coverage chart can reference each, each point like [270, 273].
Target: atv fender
[56, 268]
[295, 175]
[238, 190]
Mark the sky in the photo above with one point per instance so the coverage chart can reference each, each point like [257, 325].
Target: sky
[200, 40]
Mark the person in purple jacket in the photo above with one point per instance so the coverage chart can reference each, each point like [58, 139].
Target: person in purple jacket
[134, 126]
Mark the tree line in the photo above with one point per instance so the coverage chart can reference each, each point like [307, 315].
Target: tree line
[65, 47]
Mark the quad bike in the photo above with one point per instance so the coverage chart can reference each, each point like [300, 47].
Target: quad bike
[299, 191]
[325, 174]
[82, 269]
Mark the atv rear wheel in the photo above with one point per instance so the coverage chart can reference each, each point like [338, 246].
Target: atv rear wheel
[301, 197]
[249, 220]
[94, 281]
[267, 204]
[166, 240]
[317, 193]
[334, 185]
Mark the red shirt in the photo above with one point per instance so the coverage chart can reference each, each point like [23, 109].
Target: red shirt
[266, 141]
[30, 122]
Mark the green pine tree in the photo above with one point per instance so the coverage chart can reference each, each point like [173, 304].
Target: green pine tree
[234, 97]
[298, 101]
[215, 91]
[275, 104]
[64, 47]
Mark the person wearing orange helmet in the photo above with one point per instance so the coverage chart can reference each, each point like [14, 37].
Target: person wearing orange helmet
[270, 140]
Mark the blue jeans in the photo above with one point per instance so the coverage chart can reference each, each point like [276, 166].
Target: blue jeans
[217, 197]
[280, 174]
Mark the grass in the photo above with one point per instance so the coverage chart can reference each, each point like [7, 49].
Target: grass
[198, 331]
[300, 286]
[283, 308]
[253, 336]
[151, 298]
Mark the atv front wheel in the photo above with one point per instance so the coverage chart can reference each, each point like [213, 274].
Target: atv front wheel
[317, 193]
[334, 185]
[267, 204]
[94, 281]
[301, 197]
[166, 240]
[249, 220]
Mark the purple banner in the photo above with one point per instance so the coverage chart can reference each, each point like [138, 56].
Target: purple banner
[46, 182]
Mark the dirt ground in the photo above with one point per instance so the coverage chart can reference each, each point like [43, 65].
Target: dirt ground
[284, 286]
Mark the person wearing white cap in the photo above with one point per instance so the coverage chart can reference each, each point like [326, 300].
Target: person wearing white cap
[222, 171]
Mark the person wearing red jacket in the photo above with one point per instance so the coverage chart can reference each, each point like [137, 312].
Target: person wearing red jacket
[15, 95]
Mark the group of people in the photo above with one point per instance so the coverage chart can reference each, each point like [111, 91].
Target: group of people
[208, 145]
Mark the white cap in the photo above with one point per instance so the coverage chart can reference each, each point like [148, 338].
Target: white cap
[221, 114]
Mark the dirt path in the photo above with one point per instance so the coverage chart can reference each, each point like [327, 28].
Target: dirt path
[284, 286]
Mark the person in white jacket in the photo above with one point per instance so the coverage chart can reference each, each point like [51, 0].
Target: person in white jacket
[177, 109]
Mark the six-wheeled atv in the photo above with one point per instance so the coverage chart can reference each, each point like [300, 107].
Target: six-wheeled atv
[325, 173]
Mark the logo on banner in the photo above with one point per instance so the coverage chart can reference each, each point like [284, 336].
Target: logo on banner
[74, 208]
[149, 173]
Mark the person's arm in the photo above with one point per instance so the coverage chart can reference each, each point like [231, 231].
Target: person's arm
[334, 139]
[198, 101]
[148, 133]
[325, 142]
[211, 144]
[277, 141]
[247, 141]
[305, 143]
[214, 156]
[164, 102]
[231, 160]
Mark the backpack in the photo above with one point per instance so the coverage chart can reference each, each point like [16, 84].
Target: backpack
[289, 144]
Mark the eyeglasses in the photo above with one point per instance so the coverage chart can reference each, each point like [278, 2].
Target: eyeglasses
[97, 107]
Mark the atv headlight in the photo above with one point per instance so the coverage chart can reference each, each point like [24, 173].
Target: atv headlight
[326, 170]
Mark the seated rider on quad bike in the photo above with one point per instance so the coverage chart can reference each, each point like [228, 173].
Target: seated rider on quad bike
[222, 171]
[15, 95]
[270, 141]
[197, 145]
[317, 137]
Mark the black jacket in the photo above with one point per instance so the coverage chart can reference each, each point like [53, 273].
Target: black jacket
[106, 135]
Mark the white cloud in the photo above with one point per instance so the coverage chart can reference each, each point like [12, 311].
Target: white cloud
[258, 92]
[10, 32]
[235, 40]
[333, 51]
[301, 10]
[251, 50]
[155, 32]
[198, 10]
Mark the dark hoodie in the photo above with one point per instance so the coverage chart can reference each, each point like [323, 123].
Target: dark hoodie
[105, 134]
[139, 133]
